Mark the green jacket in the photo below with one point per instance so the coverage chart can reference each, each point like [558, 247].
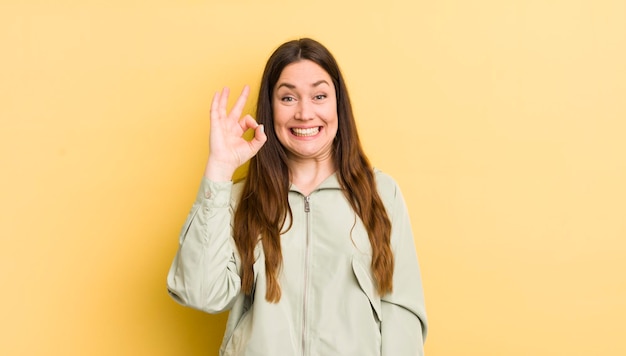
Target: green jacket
[329, 304]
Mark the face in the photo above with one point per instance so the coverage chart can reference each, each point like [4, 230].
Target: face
[305, 111]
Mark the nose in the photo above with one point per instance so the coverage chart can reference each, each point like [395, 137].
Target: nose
[305, 110]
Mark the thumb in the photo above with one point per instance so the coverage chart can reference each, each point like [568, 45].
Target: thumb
[259, 138]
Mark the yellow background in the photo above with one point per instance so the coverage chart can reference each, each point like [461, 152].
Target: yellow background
[503, 122]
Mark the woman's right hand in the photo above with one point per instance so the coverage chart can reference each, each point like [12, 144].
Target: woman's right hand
[227, 148]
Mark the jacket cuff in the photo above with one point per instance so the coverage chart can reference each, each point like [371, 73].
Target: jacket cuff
[217, 194]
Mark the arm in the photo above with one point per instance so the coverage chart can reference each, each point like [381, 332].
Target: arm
[204, 273]
[403, 325]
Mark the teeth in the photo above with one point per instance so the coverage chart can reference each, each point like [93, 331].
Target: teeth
[306, 132]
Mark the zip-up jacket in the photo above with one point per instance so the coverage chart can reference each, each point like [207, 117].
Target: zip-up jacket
[329, 303]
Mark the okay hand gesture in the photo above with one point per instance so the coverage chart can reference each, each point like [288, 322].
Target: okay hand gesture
[227, 148]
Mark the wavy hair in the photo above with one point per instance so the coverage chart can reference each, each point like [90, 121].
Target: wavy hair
[264, 208]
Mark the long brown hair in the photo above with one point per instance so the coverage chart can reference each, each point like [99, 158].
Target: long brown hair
[264, 207]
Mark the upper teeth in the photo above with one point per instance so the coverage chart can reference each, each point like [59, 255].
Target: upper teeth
[306, 132]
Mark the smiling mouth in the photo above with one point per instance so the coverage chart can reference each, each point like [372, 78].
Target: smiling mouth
[311, 131]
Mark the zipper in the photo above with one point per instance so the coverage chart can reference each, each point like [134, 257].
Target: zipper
[307, 210]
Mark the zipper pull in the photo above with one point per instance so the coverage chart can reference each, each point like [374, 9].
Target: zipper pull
[307, 208]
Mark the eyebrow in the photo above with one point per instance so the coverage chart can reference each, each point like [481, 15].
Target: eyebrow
[291, 86]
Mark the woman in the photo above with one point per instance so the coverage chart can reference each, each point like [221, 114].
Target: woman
[312, 252]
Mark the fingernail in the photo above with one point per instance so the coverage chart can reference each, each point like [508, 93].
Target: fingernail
[262, 128]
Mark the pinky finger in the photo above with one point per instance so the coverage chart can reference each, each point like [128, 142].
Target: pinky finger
[214, 106]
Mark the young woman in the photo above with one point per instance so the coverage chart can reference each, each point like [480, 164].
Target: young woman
[313, 251]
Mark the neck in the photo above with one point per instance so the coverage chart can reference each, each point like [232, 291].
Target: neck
[306, 175]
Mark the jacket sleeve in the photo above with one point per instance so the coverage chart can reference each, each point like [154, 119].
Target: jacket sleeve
[204, 273]
[403, 325]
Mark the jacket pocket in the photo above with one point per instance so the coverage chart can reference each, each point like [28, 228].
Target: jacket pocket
[363, 276]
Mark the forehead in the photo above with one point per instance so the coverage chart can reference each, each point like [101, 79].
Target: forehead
[304, 72]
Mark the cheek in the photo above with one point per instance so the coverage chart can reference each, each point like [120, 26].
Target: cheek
[281, 116]
[331, 118]
[330, 113]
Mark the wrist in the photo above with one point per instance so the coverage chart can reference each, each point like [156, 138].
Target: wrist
[218, 171]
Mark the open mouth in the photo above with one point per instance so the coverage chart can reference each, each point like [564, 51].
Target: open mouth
[311, 131]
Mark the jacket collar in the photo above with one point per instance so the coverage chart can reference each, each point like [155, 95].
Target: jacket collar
[332, 182]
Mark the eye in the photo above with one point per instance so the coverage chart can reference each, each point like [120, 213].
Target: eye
[287, 99]
[320, 97]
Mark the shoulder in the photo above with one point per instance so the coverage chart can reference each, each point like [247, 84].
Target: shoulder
[392, 197]
[236, 192]
[386, 184]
